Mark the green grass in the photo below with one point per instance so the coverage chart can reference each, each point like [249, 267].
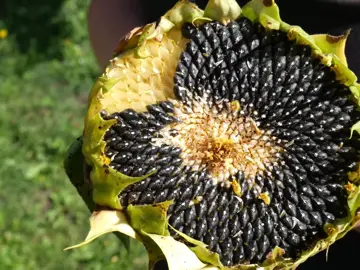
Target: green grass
[45, 77]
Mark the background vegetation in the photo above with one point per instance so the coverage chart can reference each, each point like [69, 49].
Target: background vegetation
[46, 71]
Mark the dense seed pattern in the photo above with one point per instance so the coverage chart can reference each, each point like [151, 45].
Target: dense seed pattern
[289, 93]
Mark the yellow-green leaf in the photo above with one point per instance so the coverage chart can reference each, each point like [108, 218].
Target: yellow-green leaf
[333, 44]
[177, 254]
[149, 218]
[200, 249]
[222, 10]
[107, 221]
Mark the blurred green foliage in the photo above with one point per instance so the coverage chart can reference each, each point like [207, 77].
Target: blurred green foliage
[46, 71]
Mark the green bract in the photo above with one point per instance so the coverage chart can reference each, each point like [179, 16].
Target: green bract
[113, 93]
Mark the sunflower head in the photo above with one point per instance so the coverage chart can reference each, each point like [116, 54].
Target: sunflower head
[225, 138]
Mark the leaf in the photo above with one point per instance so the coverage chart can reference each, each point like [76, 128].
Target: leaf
[333, 44]
[222, 10]
[177, 254]
[200, 249]
[355, 127]
[104, 222]
[149, 218]
[255, 9]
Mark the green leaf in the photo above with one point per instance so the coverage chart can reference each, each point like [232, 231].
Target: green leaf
[333, 44]
[222, 10]
[267, 8]
[355, 127]
[149, 218]
[183, 11]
